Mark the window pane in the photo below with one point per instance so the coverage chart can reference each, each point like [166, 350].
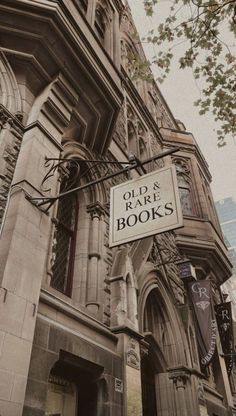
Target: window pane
[61, 264]
[186, 203]
[99, 25]
[64, 244]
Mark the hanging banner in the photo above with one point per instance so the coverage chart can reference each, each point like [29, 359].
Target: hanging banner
[145, 206]
[225, 327]
[205, 323]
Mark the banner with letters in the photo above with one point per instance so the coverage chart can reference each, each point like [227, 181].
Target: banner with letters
[200, 294]
[225, 327]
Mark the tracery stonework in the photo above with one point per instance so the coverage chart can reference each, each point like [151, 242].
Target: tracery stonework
[126, 22]
[108, 260]
[132, 354]
[163, 117]
[156, 149]
[120, 132]
[11, 132]
[165, 254]
[185, 184]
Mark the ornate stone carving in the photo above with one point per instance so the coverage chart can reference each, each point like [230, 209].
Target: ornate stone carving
[120, 133]
[144, 349]
[183, 169]
[108, 261]
[180, 376]
[11, 131]
[10, 96]
[163, 116]
[132, 354]
[96, 210]
[156, 149]
[126, 24]
[201, 394]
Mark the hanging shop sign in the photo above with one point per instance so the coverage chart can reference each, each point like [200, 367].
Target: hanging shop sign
[186, 270]
[225, 327]
[145, 206]
[200, 294]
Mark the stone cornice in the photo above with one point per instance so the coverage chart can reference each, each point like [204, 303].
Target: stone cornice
[60, 41]
[59, 17]
[49, 298]
[123, 329]
[37, 124]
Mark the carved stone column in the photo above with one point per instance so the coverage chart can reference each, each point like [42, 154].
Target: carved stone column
[180, 377]
[93, 280]
[129, 348]
[133, 378]
[11, 132]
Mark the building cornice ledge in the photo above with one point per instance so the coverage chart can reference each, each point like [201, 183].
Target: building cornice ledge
[77, 314]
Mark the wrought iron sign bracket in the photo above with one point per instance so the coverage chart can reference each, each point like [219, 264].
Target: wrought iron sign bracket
[133, 163]
[233, 354]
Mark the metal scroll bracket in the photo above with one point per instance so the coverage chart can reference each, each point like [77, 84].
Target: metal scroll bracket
[44, 203]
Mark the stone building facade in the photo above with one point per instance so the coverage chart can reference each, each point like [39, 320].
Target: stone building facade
[86, 329]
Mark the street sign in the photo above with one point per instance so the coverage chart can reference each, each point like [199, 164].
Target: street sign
[145, 206]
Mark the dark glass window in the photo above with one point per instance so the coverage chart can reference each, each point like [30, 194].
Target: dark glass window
[82, 4]
[64, 243]
[185, 188]
[132, 139]
[99, 24]
[143, 154]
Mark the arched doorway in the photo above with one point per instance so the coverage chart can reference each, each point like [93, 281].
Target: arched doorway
[157, 389]
[148, 387]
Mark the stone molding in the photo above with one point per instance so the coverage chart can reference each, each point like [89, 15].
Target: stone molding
[96, 210]
[180, 375]
[123, 329]
[132, 354]
[12, 132]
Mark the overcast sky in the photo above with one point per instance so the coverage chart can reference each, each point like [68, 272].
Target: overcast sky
[180, 91]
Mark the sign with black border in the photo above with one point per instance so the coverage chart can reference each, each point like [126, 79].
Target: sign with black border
[145, 206]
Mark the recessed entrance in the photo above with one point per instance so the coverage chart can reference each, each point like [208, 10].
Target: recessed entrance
[74, 388]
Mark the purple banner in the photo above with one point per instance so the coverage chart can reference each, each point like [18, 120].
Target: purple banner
[225, 327]
[205, 324]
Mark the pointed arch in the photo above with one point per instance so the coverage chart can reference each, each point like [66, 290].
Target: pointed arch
[154, 293]
[74, 150]
[165, 337]
[77, 230]
[10, 97]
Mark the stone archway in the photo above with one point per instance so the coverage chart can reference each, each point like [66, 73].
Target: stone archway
[154, 376]
[165, 348]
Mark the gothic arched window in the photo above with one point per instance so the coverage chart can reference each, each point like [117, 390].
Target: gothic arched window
[64, 240]
[142, 145]
[185, 187]
[82, 4]
[143, 153]
[100, 24]
[132, 138]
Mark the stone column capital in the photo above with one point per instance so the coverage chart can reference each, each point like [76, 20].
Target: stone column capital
[180, 375]
[96, 210]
